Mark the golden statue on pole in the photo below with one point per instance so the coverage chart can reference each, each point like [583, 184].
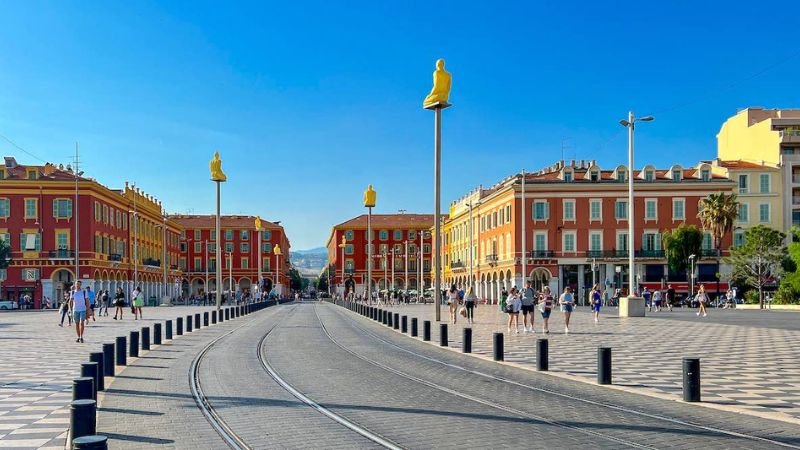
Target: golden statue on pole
[441, 87]
[258, 223]
[216, 169]
[370, 197]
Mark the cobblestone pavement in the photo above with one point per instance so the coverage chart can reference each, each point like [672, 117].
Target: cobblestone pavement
[749, 359]
[39, 359]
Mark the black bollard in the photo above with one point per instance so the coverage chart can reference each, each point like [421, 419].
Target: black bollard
[389, 320]
[426, 330]
[157, 334]
[145, 338]
[93, 442]
[542, 355]
[189, 323]
[691, 379]
[197, 320]
[414, 331]
[404, 324]
[82, 418]
[179, 326]
[97, 357]
[213, 317]
[205, 319]
[603, 365]
[396, 321]
[466, 342]
[108, 360]
[227, 314]
[83, 388]
[89, 369]
[385, 317]
[122, 344]
[497, 343]
[443, 340]
[168, 330]
[134, 345]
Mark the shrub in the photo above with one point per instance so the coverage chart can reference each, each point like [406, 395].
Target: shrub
[751, 297]
[786, 295]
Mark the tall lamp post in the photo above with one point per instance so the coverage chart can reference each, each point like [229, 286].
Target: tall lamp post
[626, 310]
[230, 276]
[258, 252]
[218, 177]
[471, 244]
[436, 101]
[342, 246]
[278, 254]
[370, 198]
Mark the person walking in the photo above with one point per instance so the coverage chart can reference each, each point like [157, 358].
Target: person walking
[702, 298]
[470, 301]
[567, 302]
[503, 300]
[546, 307]
[92, 302]
[670, 297]
[80, 305]
[657, 295]
[65, 310]
[137, 301]
[528, 303]
[596, 300]
[452, 302]
[648, 297]
[119, 303]
[513, 306]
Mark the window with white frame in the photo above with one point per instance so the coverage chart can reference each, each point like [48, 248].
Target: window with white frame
[651, 241]
[705, 174]
[595, 210]
[569, 209]
[348, 249]
[621, 209]
[62, 208]
[763, 213]
[412, 235]
[651, 209]
[540, 241]
[744, 213]
[398, 235]
[649, 175]
[678, 209]
[348, 235]
[763, 181]
[743, 184]
[568, 176]
[30, 242]
[595, 241]
[568, 245]
[541, 210]
[707, 243]
[622, 241]
[738, 238]
[677, 174]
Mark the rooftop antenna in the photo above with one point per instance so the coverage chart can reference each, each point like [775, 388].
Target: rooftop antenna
[564, 146]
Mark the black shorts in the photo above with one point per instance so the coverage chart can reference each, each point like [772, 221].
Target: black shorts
[527, 309]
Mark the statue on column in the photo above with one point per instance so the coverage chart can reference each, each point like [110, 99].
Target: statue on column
[216, 169]
[441, 87]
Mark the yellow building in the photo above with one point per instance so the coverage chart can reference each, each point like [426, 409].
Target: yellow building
[769, 138]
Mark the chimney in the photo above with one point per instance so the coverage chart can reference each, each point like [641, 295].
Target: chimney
[572, 163]
[581, 166]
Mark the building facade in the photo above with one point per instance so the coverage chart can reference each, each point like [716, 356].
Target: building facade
[49, 215]
[575, 218]
[399, 242]
[242, 249]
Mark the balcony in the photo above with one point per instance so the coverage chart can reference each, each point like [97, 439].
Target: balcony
[61, 254]
[539, 254]
[795, 178]
[457, 265]
[650, 254]
[173, 267]
[789, 136]
[607, 254]
[491, 259]
[115, 257]
[711, 252]
[152, 262]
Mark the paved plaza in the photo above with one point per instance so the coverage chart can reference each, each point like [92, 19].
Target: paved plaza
[38, 361]
[749, 359]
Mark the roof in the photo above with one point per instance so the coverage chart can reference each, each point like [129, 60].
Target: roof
[610, 175]
[740, 164]
[48, 171]
[190, 221]
[390, 221]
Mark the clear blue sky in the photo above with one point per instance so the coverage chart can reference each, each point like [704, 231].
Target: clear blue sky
[308, 102]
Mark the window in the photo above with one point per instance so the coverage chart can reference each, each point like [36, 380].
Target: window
[763, 213]
[266, 235]
[212, 264]
[494, 219]
[212, 234]
[198, 247]
[198, 266]
[595, 241]
[119, 220]
[62, 208]
[398, 235]
[97, 212]
[568, 176]
[541, 211]
[569, 241]
[744, 215]
[31, 208]
[743, 184]
[32, 174]
[738, 238]
[197, 235]
[383, 235]
[412, 235]
[211, 247]
[651, 209]
[229, 246]
[508, 213]
[569, 210]
[244, 235]
[502, 216]
[540, 241]
[398, 249]
[228, 235]
[677, 174]
[763, 181]
[595, 210]
[705, 175]
[245, 263]
[62, 240]
[649, 175]
[621, 209]
[265, 264]
[30, 242]
[651, 242]
[620, 176]
[348, 249]
[678, 209]
[244, 247]
[594, 175]
[5, 237]
[105, 214]
[483, 223]
[266, 247]
[426, 248]
[348, 235]
[111, 217]
[622, 241]
[707, 242]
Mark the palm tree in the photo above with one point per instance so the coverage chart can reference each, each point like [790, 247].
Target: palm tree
[717, 214]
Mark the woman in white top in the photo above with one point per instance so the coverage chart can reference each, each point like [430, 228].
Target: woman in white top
[567, 302]
[513, 306]
[452, 301]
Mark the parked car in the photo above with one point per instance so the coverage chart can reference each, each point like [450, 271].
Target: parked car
[8, 304]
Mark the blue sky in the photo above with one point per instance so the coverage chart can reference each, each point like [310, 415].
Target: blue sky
[308, 102]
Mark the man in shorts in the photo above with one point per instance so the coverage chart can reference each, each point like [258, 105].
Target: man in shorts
[80, 304]
[528, 303]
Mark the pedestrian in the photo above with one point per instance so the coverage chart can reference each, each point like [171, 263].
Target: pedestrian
[528, 303]
[670, 297]
[648, 297]
[596, 300]
[470, 301]
[92, 301]
[119, 303]
[657, 295]
[616, 296]
[80, 305]
[513, 307]
[503, 299]
[452, 301]
[702, 298]
[65, 310]
[546, 307]
[103, 302]
[567, 302]
[137, 301]
[48, 302]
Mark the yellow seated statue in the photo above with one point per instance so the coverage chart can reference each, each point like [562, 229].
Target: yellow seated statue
[216, 169]
[370, 197]
[441, 86]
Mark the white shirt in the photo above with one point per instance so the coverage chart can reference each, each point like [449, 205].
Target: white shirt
[78, 301]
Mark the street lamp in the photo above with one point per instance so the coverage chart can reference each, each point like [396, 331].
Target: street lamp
[278, 254]
[692, 257]
[471, 245]
[230, 276]
[218, 177]
[258, 252]
[630, 124]
[342, 246]
[370, 198]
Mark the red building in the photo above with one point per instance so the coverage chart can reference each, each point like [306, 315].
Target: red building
[397, 239]
[240, 242]
[49, 215]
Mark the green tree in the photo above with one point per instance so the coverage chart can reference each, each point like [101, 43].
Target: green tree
[5, 254]
[322, 282]
[295, 280]
[760, 258]
[718, 212]
[680, 243]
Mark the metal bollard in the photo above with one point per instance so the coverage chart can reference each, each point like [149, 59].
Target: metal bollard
[396, 321]
[414, 332]
[93, 442]
[426, 330]
[133, 348]
[443, 340]
[108, 360]
[145, 338]
[179, 326]
[603, 365]
[497, 344]
[83, 388]
[404, 324]
[205, 319]
[227, 314]
[385, 317]
[157, 334]
[97, 358]
[466, 341]
[122, 344]
[691, 379]
[82, 418]
[168, 332]
[89, 369]
[389, 320]
[213, 317]
[189, 323]
[542, 355]
[197, 320]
